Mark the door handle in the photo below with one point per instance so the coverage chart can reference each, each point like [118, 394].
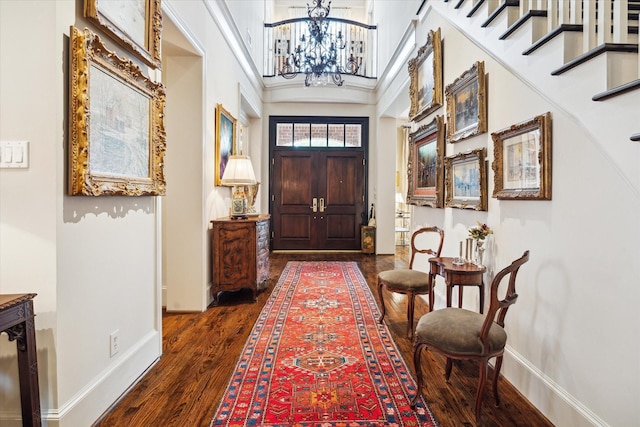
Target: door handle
[322, 206]
[314, 206]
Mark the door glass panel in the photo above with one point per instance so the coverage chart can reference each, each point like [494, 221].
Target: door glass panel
[284, 135]
[318, 135]
[301, 134]
[353, 136]
[336, 135]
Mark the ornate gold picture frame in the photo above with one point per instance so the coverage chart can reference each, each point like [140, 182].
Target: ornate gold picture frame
[522, 160]
[225, 140]
[466, 101]
[425, 169]
[466, 180]
[425, 72]
[135, 24]
[117, 139]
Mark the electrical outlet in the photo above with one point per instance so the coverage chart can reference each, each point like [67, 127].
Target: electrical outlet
[115, 343]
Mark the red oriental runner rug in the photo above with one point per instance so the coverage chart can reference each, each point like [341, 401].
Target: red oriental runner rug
[318, 357]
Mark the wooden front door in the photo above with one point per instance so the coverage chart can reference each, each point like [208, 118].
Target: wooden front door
[318, 199]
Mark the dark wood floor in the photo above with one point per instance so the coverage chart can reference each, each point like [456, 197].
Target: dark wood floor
[200, 351]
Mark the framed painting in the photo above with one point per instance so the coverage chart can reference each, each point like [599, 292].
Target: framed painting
[117, 139]
[425, 169]
[135, 24]
[522, 160]
[225, 140]
[425, 72]
[466, 101]
[466, 180]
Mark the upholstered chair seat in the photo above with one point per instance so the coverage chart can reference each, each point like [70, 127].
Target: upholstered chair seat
[405, 279]
[456, 330]
[461, 334]
[410, 281]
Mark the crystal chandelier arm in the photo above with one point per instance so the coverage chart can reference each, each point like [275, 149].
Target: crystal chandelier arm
[317, 55]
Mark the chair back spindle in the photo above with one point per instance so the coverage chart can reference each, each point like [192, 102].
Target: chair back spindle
[498, 308]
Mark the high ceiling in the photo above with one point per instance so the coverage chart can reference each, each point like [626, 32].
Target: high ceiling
[348, 9]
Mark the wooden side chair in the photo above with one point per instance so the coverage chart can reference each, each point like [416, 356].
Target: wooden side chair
[463, 334]
[409, 281]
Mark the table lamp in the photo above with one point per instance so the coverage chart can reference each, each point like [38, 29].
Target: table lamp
[237, 173]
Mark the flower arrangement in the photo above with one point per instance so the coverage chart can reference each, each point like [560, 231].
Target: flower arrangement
[480, 231]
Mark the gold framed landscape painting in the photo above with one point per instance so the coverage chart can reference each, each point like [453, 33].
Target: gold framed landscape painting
[466, 180]
[135, 24]
[467, 104]
[522, 160]
[425, 169]
[225, 140]
[425, 72]
[117, 139]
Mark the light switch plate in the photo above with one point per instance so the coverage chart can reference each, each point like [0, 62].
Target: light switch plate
[14, 154]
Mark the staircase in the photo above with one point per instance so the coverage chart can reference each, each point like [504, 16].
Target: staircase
[581, 55]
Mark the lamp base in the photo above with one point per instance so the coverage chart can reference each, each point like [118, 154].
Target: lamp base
[238, 203]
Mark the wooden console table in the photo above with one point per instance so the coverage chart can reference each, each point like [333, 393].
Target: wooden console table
[467, 274]
[240, 252]
[16, 319]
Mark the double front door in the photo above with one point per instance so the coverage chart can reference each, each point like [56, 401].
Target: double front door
[318, 199]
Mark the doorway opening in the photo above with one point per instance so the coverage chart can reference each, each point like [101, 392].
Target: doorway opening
[318, 182]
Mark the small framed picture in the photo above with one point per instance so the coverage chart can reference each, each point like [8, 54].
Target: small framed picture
[225, 140]
[522, 160]
[466, 180]
[467, 104]
[425, 72]
[425, 169]
[135, 24]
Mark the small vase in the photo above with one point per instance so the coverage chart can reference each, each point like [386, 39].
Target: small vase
[479, 252]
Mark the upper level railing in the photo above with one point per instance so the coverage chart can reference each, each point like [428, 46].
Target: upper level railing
[619, 18]
[282, 38]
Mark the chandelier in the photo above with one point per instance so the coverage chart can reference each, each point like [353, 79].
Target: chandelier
[317, 55]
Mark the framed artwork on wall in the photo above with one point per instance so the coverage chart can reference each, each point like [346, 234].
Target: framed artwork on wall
[466, 180]
[225, 140]
[425, 169]
[135, 24]
[425, 72]
[117, 139]
[467, 104]
[522, 160]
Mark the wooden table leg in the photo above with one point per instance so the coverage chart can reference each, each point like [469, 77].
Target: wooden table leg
[28, 372]
[24, 335]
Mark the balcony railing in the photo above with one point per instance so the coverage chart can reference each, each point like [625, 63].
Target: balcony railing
[282, 38]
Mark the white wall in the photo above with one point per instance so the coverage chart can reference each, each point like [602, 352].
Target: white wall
[184, 235]
[392, 18]
[92, 261]
[220, 78]
[29, 198]
[572, 335]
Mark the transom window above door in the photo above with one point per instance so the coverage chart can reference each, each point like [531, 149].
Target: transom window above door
[318, 135]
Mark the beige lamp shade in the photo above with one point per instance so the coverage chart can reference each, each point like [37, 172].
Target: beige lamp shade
[238, 171]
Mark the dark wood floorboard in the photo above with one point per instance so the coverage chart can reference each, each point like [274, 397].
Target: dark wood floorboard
[200, 351]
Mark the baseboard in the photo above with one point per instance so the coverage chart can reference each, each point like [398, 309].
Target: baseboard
[561, 408]
[93, 400]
